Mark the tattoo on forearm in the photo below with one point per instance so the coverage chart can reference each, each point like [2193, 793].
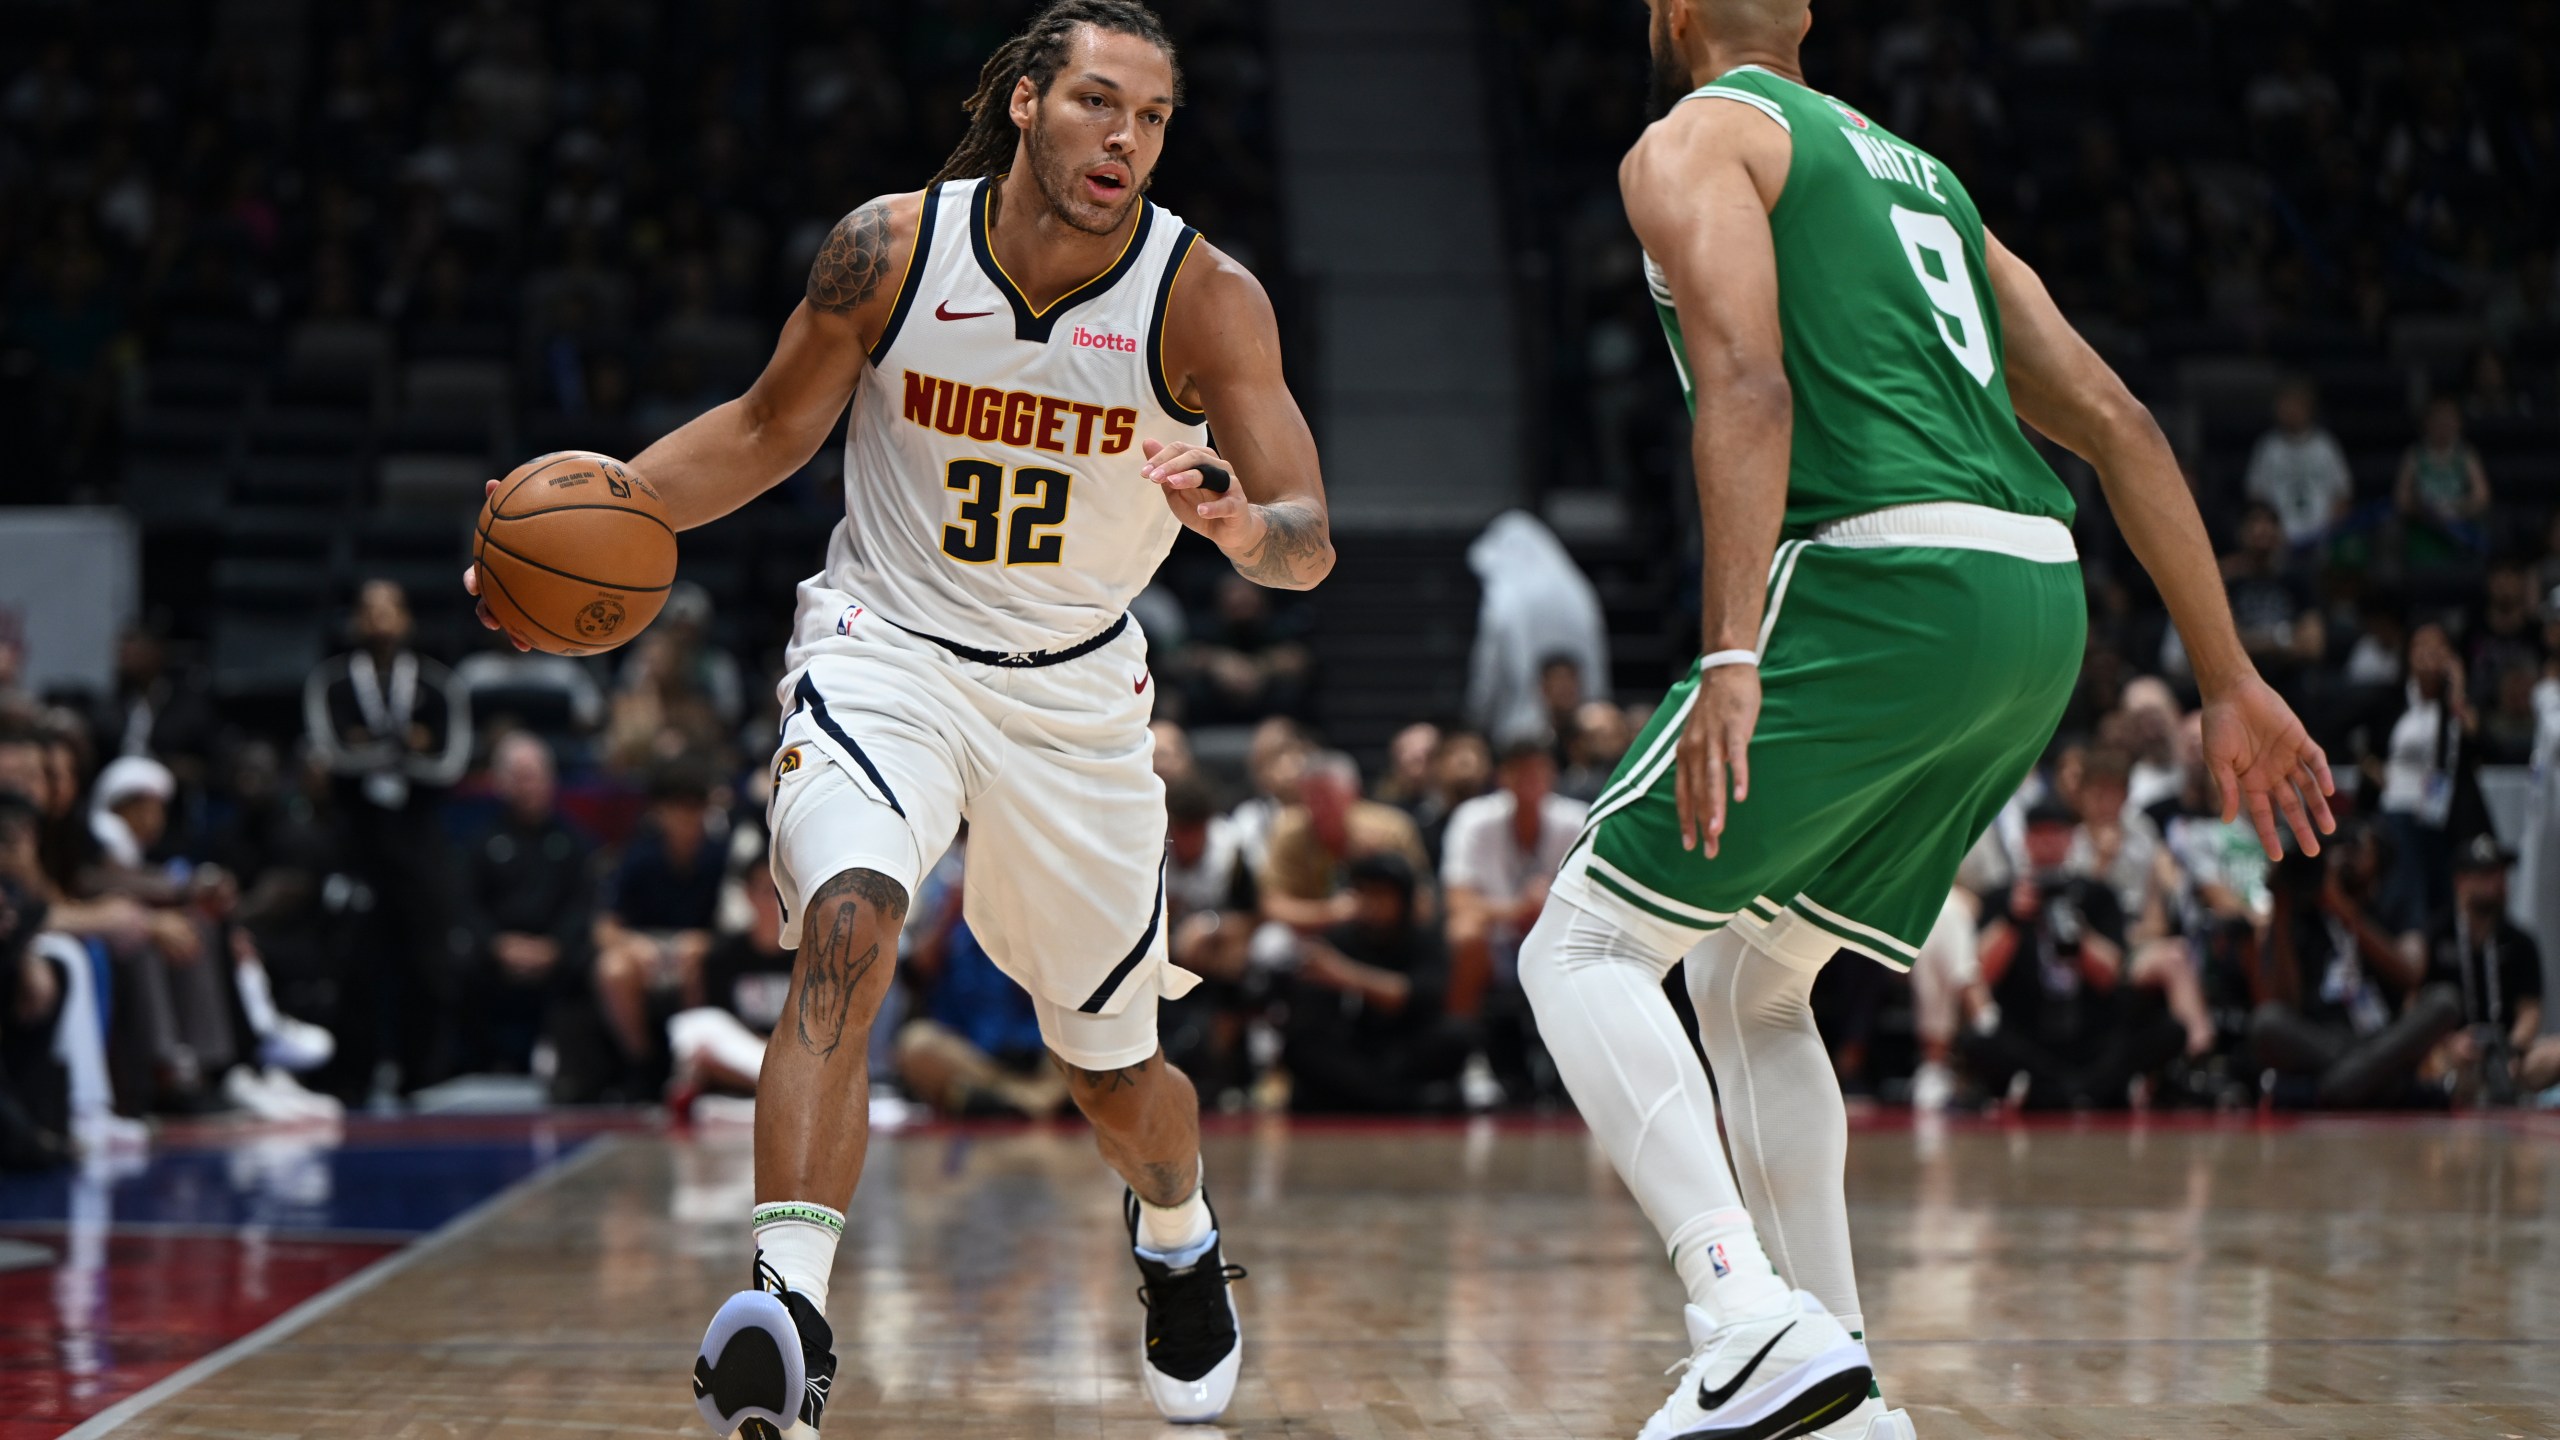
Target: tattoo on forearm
[1292, 549]
[853, 262]
[832, 971]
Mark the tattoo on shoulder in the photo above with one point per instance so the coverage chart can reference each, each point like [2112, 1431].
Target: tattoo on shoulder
[855, 260]
[1294, 541]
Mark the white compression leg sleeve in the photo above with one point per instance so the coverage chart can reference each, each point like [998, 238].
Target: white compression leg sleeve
[1783, 1112]
[1618, 1044]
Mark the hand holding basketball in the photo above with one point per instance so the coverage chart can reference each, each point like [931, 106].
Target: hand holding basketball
[572, 554]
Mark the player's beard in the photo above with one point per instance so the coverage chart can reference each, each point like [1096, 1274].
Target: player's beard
[1058, 181]
[1671, 82]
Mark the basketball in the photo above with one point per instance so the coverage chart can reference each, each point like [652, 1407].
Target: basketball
[575, 553]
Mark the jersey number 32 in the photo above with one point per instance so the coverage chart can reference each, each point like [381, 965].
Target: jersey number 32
[985, 525]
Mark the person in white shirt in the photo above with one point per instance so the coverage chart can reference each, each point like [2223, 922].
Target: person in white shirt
[1501, 850]
[2299, 469]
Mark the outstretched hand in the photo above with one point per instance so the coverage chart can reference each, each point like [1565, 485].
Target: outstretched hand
[2257, 752]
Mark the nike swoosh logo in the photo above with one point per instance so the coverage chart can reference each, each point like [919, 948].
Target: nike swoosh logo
[1142, 681]
[1714, 1399]
[944, 311]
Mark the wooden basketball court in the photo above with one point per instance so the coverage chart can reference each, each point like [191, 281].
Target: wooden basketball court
[2340, 1279]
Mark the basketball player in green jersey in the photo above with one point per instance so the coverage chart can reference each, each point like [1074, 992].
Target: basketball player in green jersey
[1893, 620]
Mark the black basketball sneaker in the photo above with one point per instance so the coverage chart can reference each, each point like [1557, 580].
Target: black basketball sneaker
[766, 1363]
[1193, 1347]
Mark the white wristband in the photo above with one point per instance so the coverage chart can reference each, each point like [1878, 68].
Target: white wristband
[1729, 657]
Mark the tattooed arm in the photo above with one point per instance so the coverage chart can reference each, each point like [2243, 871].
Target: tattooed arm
[736, 451]
[1222, 357]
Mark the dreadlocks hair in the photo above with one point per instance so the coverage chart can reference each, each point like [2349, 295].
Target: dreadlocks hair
[1038, 52]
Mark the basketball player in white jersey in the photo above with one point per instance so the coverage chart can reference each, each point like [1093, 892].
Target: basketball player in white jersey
[1033, 352]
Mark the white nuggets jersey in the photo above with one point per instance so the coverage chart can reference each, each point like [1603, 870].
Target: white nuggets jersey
[991, 485]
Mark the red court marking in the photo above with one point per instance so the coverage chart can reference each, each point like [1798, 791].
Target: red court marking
[71, 1345]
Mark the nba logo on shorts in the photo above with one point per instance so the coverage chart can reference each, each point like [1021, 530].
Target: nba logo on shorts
[1715, 1257]
[844, 622]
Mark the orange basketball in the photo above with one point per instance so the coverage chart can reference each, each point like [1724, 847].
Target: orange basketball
[575, 552]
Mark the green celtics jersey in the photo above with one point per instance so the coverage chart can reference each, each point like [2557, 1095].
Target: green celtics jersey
[1892, 336]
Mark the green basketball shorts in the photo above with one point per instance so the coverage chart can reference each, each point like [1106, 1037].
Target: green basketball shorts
[1913, 664]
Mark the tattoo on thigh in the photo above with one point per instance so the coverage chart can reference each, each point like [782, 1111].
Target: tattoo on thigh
[831, 969]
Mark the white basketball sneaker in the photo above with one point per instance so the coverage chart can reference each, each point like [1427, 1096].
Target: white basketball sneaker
[1764, 1377]
[1194, 1344]
[1870, 1421]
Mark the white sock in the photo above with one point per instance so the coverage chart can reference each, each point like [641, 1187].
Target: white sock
[257, 998]
[799, 1241]
[1618, 1044]
[1170, 1232]
[1783, 1113]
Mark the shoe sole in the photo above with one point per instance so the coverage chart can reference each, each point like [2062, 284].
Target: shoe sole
[1799, 1402]
[750, 1368]
[1201, 1401]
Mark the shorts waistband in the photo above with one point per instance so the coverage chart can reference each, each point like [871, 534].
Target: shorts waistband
[1954, 525]
[1026, 659]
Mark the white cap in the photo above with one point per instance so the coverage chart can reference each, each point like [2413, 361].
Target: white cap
[133, 775]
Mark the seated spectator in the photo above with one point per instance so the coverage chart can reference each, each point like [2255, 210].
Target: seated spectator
[1408, 776]
[718, 1043]
[1593, 748]
[527, 900]
[1461, 770]
[1248, 662]
[689, 661]
[155, 711]
[2275, 609]
[2327, 1026]
[30, 1004]
[2500, 1054]
[2299, 470]
[657, 910]
[974, 1047]
[1501, 851]
[662, 712]
[2442, 492]
[1211, 911]
[1368, 1030]
[1275, 763]
[2122, 846]
[552, 694]
[1314, 842]
[2068, 1030]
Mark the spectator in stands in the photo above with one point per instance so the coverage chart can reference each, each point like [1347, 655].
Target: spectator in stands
[1276, 763]
[663, 712]
[1593, 747]
[688, 661]
[2122, 847]
[974, 1047]
[1461, 770]
[552, 694]
[1537, 607]
[152, 711]
[718, 1043]
[1408, 777]
[1500, 851]
[1314, 841]
[1246, 661]
[527, 904]
[2327, 1026]
[1173, 758]
[2500, 1054]
[2071, 1031]
[2277, 614]
[2425, 775]
[1368, 1030]
[655, 917]
[2298, 469]
[30, 1002]
[395, 734]
[2442, 492]
[1211, 911]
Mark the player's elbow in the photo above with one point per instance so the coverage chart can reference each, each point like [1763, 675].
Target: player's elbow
[1746, 393]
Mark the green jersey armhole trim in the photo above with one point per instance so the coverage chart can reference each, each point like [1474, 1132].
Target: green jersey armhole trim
[1716, 89]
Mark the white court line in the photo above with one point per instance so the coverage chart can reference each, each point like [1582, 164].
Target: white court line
[291, 1322]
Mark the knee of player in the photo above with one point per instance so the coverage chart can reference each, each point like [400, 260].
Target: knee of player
[848, 947]
[1110, 1089]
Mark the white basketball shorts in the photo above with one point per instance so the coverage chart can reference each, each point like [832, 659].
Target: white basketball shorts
[889, 741]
